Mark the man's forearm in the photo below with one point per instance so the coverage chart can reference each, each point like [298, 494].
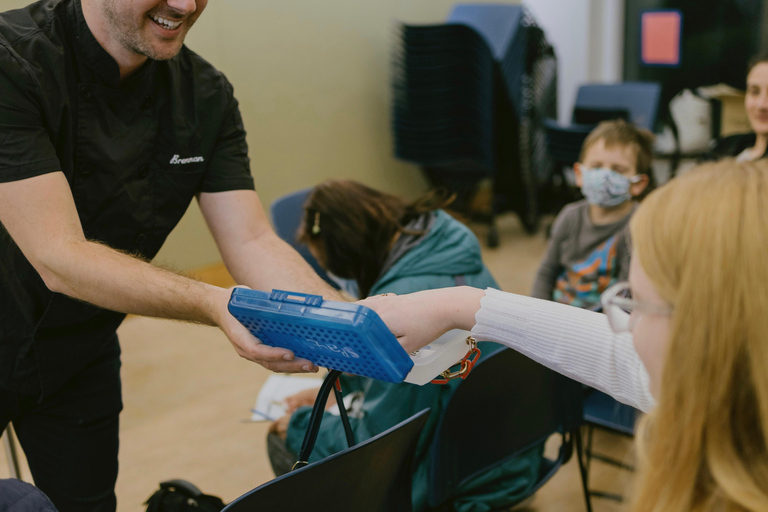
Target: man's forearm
[252, 252]
[267, 263]
[100, 275]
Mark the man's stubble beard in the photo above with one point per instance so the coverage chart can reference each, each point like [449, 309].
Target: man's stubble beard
[128, 32]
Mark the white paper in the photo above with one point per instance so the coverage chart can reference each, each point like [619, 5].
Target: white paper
[270, 403]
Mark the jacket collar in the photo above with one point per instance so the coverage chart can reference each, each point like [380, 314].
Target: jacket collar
[101, 63]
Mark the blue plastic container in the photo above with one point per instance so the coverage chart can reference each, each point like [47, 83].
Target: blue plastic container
[335, 335]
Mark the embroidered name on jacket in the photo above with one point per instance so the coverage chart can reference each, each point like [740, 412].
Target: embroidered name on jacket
[177, 160]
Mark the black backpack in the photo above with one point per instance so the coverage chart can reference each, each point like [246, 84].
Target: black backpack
[182, 496]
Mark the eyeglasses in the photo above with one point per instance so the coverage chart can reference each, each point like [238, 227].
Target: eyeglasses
[622, 311]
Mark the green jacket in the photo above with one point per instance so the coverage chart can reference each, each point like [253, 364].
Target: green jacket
[449, 249]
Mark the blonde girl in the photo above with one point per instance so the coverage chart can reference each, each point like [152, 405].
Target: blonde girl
[686, 339]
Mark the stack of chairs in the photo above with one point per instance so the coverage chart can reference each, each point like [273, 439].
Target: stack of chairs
[470, 99]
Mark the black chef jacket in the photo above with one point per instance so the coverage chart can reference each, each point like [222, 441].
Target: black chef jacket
[135, 153]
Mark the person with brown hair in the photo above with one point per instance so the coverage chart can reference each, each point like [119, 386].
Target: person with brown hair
[361, 234]
[386, 245]
[589, 247]
[684, 339]
[753, 145]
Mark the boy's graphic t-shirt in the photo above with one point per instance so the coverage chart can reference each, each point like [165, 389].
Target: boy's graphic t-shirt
[583, 259]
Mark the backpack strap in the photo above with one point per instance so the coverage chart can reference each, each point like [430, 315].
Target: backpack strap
[330, 383]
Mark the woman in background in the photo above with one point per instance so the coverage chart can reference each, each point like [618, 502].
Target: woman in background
[754, 145]
[385, 245]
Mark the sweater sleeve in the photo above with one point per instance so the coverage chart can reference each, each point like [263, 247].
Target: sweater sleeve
[572, 341]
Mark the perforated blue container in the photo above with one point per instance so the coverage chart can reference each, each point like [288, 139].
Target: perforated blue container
[335, 335]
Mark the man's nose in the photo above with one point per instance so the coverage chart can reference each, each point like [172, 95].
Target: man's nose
[183, 6]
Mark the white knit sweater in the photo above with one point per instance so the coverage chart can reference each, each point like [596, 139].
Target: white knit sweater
[575, 342]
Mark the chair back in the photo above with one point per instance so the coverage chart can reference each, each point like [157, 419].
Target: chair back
[374, 476]
[564, 142]
[637, 102]
[508, 404]
[604, 411]
[287, 212]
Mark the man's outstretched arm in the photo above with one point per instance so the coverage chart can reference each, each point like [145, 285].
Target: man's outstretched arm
[252, 252]
[40, 215]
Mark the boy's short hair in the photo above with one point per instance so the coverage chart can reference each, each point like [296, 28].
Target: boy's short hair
[622, 133]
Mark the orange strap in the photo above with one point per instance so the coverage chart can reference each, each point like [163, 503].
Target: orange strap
[465, 365]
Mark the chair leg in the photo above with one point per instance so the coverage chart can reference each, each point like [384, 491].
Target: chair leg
[612, 462]
[582, 469]
[588, 451]
[10, 452]
[589, 455]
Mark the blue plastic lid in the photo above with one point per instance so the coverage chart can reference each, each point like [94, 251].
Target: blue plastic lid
[336, 335]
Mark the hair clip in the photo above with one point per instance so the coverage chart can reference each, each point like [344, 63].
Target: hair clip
[316, 226]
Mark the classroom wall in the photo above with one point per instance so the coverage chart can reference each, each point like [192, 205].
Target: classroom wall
[313, 81]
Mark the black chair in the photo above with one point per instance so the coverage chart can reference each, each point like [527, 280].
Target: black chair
[603, 412]
[507, 405]
[374, 476]
[287, 212]
[469, 97]
[636, 102]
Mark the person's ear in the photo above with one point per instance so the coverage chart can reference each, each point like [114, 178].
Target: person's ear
[577, 173]
[637, 188]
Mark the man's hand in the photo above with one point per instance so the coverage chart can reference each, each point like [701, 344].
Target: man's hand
[247, 346]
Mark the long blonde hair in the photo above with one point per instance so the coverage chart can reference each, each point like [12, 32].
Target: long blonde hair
[703, 241]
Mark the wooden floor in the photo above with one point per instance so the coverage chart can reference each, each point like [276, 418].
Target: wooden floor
[187, 398]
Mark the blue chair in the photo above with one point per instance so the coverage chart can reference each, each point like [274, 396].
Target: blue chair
[507, 405]
[287, 212]
[603, 412]
[637, 102]
[374, 476]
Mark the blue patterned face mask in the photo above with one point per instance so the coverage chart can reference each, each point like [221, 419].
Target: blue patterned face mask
[606, 188]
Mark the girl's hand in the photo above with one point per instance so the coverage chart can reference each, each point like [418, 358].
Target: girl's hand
[417, 319]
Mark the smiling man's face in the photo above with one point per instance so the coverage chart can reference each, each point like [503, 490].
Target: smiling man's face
[152, 28]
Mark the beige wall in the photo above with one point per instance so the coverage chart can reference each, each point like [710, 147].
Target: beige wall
[312, 78]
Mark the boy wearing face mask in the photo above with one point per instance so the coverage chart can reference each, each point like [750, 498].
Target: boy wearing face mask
[589, 246]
